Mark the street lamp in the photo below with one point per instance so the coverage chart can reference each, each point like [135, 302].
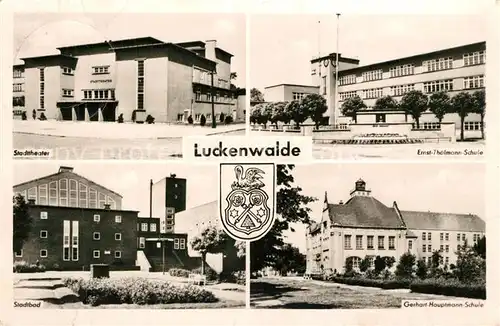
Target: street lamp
[212, 99]
[336, 75]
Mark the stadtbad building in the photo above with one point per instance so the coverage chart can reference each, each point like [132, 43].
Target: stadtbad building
[133, 78]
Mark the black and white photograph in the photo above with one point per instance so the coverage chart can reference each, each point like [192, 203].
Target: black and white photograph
[125, 85]
[373, 236]
[371, 86]
[128, 236]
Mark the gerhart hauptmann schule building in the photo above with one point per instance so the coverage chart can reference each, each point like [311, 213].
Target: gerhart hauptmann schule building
[140, 77]
[364, 226]
[77, 222]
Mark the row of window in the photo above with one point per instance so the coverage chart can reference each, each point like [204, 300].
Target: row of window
[438, 64]
[99, 70]
[347, 79]
[97, 236]
[140, 84]
[428, 126]
[97, 218]
[68, 71]
[99, 94]
[369, 242]
[18, 73]
[403, 70]
[401, 90]
[18, 87]
[298, 96]
[97, 253]
[438, 86]
[472, 125]
[68, 192]
[70, 231]
[446, 236]
[372, 75]
[208, 97]
[373, 93]
[473, 82]
[179, 244]
[474, 58]
[181, 117]
[41, 102]
[68, 92]
[428, 260]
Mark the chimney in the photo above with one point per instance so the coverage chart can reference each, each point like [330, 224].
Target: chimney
[107, 206]
[65, 169]
[341, 202]
[173, 175]
[31, 202]
[210, 46]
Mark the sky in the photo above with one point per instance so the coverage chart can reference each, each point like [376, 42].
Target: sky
[281, 46]
[433, 187]
[131, 179]
[41, 33]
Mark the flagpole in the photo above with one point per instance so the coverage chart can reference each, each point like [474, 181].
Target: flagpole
[335, 114]
[319, 48]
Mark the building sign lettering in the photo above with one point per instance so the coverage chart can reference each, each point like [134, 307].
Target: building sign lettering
[101, 81]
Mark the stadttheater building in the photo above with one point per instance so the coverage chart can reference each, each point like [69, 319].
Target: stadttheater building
[364, 226]
[452, 70]
[133, 78]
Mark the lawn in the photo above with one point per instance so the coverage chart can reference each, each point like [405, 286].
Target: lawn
[308, 294]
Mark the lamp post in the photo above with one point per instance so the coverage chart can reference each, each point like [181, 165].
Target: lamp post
[163, 241]
[336, 75]
[212, 99]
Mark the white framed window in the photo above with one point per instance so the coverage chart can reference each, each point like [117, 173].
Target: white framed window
[99, 70]
[44, 215]
[373, 93]
[118, 219]
[347, 241]
[474, 82]
[43, 253]
[152, 227]
[359, 242]
[75, 241]
[42, 194]
[474, 58]
[118, 236]
[118, 254]
[176, 244]
[403, 70]
[392, 242]
[83, 195]
[402, 89]
[102, 200]
[345, 95]
[158, 245]
[111, 203]
[67, 92]
[73, 193]
[298, 96]
[92, 198]
[438, 86]
[438, 64]
[369, 242]
[67, 71]
[472, 125]
[19, 253]
[97, 218]
[381, 240]
[63, 192]
[66, 235]
[53, 193]
[182, 244]
[142, 242]
[32, 194]
[144, 227]
[348, 79]
[96, 253]
[372, 75]
[96, 236]
[43, 234]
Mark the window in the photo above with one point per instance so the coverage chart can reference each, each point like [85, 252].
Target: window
[43, 253]
[92, 198]
[381, 242]
[429, 236]
[111, 203]
[180, 117]
[323, 85]
[44, 215]
[176, 244]
[458, 236]
[18, 73]
[313, 72]
[359, 242]
[392, 243]
[441, 236]
[140, 84]
[372, 75]
[19, 253]
[118, 254]
[347, 242]
[67, 71]
[99, 70]
[447, 248]
[428, 126]
[96, 236]
[67, 92]
[152, 227]
[474, 82]
[63, 192]
[424, 247]
[42, 88]
[401, 90]
[144, 227]
[298, 96]
[18, 87]
[118, 219]
[345, 95]
[355, 262]
[429, 248]
[43, 234]
[348, 79]
[447, 260]
[423, 235]
[447, 236]
[66, 230]
[372, 93]
[369, 240]
[183, 244]
[53, 193]
[438, 86]
[83, 196]
[441, 248]
[198, 96]
[142, 242]
[118, 236]
[474, 58]
[97, 218]
[42, 193]
[74, 244]
[102, 200]
[410, 244]
[463, 236]
[438, 64]
[32, 194]
[73, 193]
[403, 70]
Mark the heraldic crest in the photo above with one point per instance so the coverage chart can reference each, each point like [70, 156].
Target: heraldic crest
[246, 212]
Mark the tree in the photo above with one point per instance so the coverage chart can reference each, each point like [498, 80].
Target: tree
[256, 95]
[365, 264]
[298, 113]
[351, 106]
[315, 105]
[203, 120]
[469, 267]
[414, 103]
[22, 222]
[291, 207]
[386, 103]
[266, 114]
[278, 113]
[255, 114]
[479, 105]
[379, 265]
[462, 104]
[435, 264]
[406, 266]
[349, 265]
[439, 104]
[211, 240]
[389, 261]
[233, 75]
[421, 271]
[290, 260]
[480, 247]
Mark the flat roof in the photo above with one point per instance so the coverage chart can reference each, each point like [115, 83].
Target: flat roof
[333, 55]
[50, 56]
[298, 85]
[84, 208]
[116, 43]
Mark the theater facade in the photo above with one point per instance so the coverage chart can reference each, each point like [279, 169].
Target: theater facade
[363, 226]
[129, 79]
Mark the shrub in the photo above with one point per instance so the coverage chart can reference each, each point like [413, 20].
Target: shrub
[406, 266]
[384, 284]
[203, 120]
[209, 273]
[190, 120]
[43, 117]
[150, 119]
[24, 267]
[120, 118]
[228, 120]
[23, 116]
[179, 272]
[136, 291]
[421, 269]
[449, 287]
[237, 277]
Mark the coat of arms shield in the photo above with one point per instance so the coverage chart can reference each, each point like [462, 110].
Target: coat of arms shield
[247, 199]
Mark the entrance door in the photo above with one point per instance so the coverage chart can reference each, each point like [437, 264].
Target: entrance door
[109, 111]
[186, 116]
[66, 114]
[80, 113]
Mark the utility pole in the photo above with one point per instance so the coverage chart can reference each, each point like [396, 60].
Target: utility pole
[212, 99]
[163, 254]
[336, 76]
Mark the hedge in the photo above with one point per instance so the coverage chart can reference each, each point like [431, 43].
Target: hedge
[135, 291]
[383, 284]
[450, 288]
[179, 272]
[24, 267]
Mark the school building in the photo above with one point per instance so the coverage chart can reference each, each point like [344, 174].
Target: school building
[131, 78]
[364, 226]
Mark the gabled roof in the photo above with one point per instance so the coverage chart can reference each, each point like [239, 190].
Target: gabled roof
[367, 212]
[443, 221]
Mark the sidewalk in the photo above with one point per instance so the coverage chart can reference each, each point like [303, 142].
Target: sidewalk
[113, 130]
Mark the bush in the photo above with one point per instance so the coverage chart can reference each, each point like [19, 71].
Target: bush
[203, 120]
[135, 291]
[449, 287]
[209, 273]
[43, 117]
[150, 119]
[23, 116]
[120, 118]
[179, 272]
[190, 120]
[383, 284]
[24, 267]
[237, 277]
[228, 120]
